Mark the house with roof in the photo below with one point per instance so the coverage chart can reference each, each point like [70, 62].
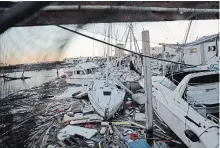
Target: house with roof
[203, 51]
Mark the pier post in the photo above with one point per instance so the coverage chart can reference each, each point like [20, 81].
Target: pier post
[147, 86]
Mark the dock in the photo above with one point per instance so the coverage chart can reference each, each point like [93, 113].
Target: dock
[6, 78]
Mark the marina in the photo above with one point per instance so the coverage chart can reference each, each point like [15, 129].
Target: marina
[132, 95]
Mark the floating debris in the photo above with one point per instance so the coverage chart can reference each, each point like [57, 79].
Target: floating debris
[49, 116]
[70, 130]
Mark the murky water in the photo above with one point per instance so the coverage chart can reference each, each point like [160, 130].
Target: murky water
[18, 109]
[37, 78]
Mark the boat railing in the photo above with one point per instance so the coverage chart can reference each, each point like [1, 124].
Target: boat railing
[213, 118]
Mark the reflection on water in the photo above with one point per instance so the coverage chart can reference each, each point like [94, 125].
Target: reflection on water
[37, 78]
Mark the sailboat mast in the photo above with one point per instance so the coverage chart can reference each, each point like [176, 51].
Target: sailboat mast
[93, 48]
[108, 48]
[111, 41]
[130, 30]
[105, 38]
[185, 39]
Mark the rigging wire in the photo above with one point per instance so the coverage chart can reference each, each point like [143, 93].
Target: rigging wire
[126, 40]
[122, 48]
[124, 34]
[187, 31]
[120, 41]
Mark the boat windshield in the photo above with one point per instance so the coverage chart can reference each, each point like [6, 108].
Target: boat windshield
[168, 83]
[91, 71]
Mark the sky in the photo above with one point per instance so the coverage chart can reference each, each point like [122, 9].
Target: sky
[20, 45]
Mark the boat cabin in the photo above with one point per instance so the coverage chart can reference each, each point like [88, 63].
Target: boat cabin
[83, 69]
[200, 89]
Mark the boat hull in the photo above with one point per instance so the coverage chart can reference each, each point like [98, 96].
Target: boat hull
[178, 126]
[132, 85]
[176, 115]
[79, 81]
[101, 111]
[106, 105]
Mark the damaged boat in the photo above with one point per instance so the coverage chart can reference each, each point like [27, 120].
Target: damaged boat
[104, 94]
[106, 97]
[82, 74]
[188, 103]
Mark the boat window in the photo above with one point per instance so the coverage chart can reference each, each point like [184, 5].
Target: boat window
[80, 72]
[167, 83]
[203, 90]
[89, 71]
[106, 93]
[214, 78]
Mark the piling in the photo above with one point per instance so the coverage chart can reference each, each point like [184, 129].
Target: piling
[147, 86]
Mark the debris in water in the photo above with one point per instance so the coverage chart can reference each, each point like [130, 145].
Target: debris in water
[48, 116]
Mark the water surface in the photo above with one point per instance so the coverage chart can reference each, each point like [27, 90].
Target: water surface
[37, 78]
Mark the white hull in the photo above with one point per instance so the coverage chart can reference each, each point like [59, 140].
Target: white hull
[105, 105]
[79, 81]
[171, 116]
[174, 111]
[132, 85]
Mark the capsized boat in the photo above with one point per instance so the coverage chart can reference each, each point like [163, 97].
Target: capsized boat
[188, 103]
[106, 97]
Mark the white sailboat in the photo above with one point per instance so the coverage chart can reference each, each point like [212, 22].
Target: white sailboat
[105, 95]
[188, 103]
[106, 99]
